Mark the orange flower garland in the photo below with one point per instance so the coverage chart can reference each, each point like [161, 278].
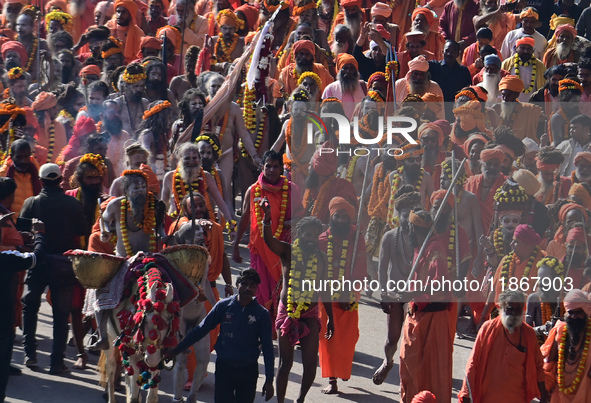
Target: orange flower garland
[226, 50]
[32, 54]
[579, 374]
[391, 220]
[15, 73]
[148, 225]
[378, 201]
[320, 200]
[283, 211]
[156, 109]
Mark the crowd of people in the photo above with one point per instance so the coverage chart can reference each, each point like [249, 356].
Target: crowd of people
[127, 127]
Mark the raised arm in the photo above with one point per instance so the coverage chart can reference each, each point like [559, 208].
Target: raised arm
[281, 249]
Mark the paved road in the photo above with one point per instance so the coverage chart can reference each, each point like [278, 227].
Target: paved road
[82, 386]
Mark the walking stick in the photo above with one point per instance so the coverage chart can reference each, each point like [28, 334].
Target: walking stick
[457, 227]
[193, 225]
[359, 215]
[183, 38]
[38, 56]
[561, 294]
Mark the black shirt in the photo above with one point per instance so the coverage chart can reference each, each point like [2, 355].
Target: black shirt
[451, 80]
[366, 65]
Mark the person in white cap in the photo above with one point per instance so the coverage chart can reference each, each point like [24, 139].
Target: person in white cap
[528, 161]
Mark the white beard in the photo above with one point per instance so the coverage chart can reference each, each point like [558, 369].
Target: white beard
[507, 109]
[563, 50]
[338, 48]
[511, 322]
[77, 9]
[354, 25]
[189, 175]
[490, 82]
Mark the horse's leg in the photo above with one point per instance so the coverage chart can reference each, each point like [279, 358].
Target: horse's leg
[180, 376]
[202, 355]
[111, 368]
[152, 395]
[132, 389]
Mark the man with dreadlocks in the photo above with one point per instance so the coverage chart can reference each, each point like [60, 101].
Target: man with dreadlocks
[157, 84]
[25, 27]
[432, 139]
[183, 83]
[132, 103]
[567, 216]
[190, 106]
[395, 263]
[112, 54]
[154, 133]
[51, 134]
[553, 185]
[17, 81]
[569, 95]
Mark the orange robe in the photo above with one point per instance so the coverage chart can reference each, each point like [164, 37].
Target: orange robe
[497, 371]
[404, 58]
[581, 395]
[552, 59]
[426, 351]
[60, 142]
[290, 82]
[500, 28]
[336, 354]
[518, 274]
[473, 185]
[526, 121]
[339, 187]
[131, 37]
[435, 44]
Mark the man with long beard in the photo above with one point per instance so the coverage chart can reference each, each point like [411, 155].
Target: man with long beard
[156, 83]
[190, 106]
[25, 28]
[343, 40]
[10, 13]
[500, 20]
[97, 92]
[505, 353]
[347, 87]
[417, 81]
[521, 64]
[415, 46]
[521, 117]
[136, 157]
[582, 172]
[577, 253]
[490, 77]
[113, 126]
[456, 22]
[569, 95]
[547, 96]
[175, 184]
[421, 20]
[51, 134]
[564, 51]
[553, 185]
[336, 354]
[432, 138]
[580, 140]
[23, 171]
[428, 321]
[112, 54]
[567, 217]
[132, 101]
[565, 367]
[303, 53]
[353, 16]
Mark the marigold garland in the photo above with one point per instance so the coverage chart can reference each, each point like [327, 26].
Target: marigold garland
[148, 225]
[567, 390]
[67, 116]
[229, 14]
[499, 242]
[156, 109]
[315, 204]
[310, 74]
[391, 220]
[180, 188]
[508, 268]
[298, 300]
[283, 210]
[297, 11]
[518, 62]
[32, 54]
[351, 168]
[64, 19]
[548, 312]
[117, 49]
[96, 160]
[51, 148]
[15, 73]
[552, 263]
[134, 78]
[225, 49]
[342, 265]
[214, 146]
[380, 195]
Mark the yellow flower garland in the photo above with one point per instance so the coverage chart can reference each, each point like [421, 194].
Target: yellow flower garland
[216, 149]
[15, 73]
[298, 300]
[393, 221]
[567, 390]
[283, 211]
[64, 113]
[342, 267]
[148, 225]
[518, 62]
[351, 168]
[96, 160]
[226, 54]
[134, 78]
[508, 269]
[32, 54]
[64, 19]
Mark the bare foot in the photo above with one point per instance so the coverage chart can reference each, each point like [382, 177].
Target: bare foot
[382, 372]
[331, 389]
[81, 362]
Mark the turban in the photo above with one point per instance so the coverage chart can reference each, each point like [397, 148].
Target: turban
[480, 92]
[568, 84]
[44, 101]
[529, 13]
[567, 28]
[424, 397]
[84, 125]
[251, 13]
[511, 83]
[304, 44]
[105, 8]
[527, 234]
[576, 234]
[153, 182]
[339, 203]
[492, 153]
[443, 125]
[61, 4]
[227, 17]
[581, 193]
[527, 181]
[377, 76]
[434, 103]
[326, 163]
[419, 63]
[530, 145]
[492, 59]
[381, 9]
[556, 22]
[576, 299]
[507, 150]
[526, 40]
[568, 207]
[172, 34]
[426, 12]
[31, 119]
[129, 5]
[544, 166]
[468, 143]
[583, 155]
[350, 3]
[343, 59]
[150, 42]
[15, 47]
[440, 194]
[91, 69]
[432, 126]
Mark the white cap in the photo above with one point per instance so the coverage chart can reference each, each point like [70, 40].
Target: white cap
[530, 145]
[50, 171]
[373, 44]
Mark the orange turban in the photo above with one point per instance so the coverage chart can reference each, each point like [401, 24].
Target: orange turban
[576, 299]
[325, 163]
[580, 192]
[151, 43]
[440, 194]
[61, 4]
[172, 34]
[492, 153]
[583, 155]
[381, 9]
[568, 84]
[426, 12]
[474, 137]
[419, 63]
[153, 183]
[511, 83]
[564, 210]
[129, 5]
[565, 27]
[506, 150]
[227, 17]
[251, 13]
[44, 101]
[480, 92]
[350, 3]
[91, 69]
[377, 76]
[17, 47]
[304, 44]
[576, 234]
[424, 397]
[432, 126]
[344, 59]
[339, 203]
[526, 40]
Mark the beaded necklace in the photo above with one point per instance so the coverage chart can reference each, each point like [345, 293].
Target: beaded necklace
[579, 375]
[393, 221]
[32, 53]
[258, 211]
[51, 147]
[351, 168]
[342, 266]
[378, 201]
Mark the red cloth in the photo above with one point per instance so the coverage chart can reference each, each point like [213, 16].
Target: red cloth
[449, 21]
[15, 47]
[294, 329]
[525, 233]
[473, 185]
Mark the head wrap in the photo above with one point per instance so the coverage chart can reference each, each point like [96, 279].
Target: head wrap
[61, 4]
[339, 203]
[424, 397]
[373, 44]
[492, 153]
[418, 221]
[419, 63]
[583, 155]
[443, 125]
[44, 101]
[377, 76]
[410, 150]
[432, 126]
[172, 34]
[326, 163]
[17, 47]
[480, 92]
[251, 13]
[273, 7]
[511, 83]
[134, 35]
[526, 40]
[64, 19]
[529, 12]
[576, 234]
[568, 207]
[407, 200]
[106, 8]
[343, 59]
[434, 103]
[527, 181]
[84, 125]
[129, 5]
[150, 42]
[468, 143]
[426, 12]
[581, 193]
[567, 28]
[304, 44]
[577, 299]
[381, 9]
[350, 3]
[568, 84]
[556, 22]
[507, 150]
[152, 179]
[527, 234]
[440, 194]
[91, 69]
[490, 60]
[227, 17]
[530, 145]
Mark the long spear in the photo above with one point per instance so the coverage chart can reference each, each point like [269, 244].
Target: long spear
[359, 214]
[183, 38]
[456, 226]
[38, 57]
